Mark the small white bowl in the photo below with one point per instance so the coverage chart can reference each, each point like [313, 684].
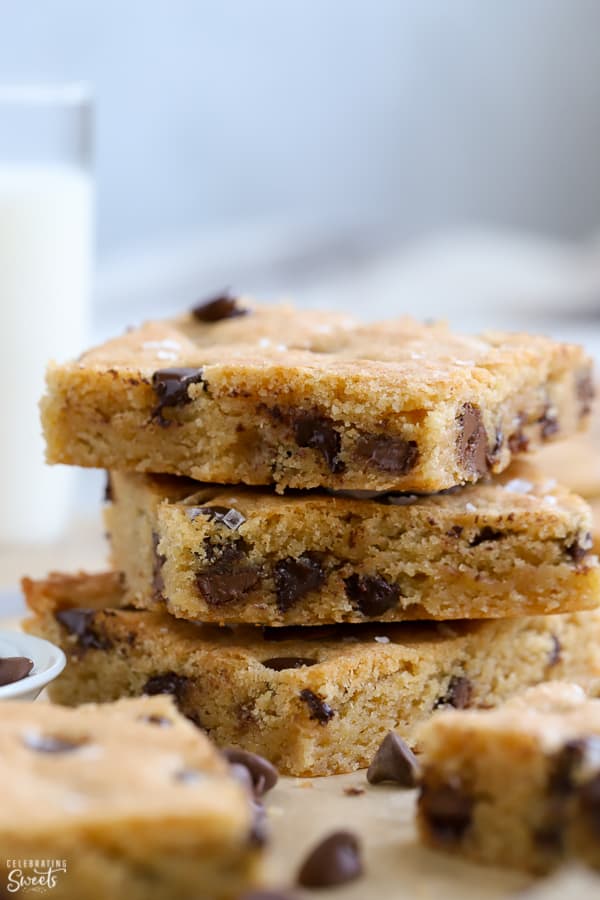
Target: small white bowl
[48, 663]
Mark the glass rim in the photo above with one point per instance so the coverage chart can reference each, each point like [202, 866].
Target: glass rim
[75, 93]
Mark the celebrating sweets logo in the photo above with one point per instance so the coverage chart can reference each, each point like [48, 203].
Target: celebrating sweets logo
[34, 876]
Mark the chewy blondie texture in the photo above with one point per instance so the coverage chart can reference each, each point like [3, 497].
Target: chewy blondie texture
[132, 797]
[518, 545]
[313, 701]
[519, 785]
[270, 395]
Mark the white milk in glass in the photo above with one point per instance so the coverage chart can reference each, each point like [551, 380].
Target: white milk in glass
[45, 268]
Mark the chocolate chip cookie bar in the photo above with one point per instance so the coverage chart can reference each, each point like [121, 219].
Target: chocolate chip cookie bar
[314, 701]
[517, 786]
[125, 800]
[517, 545]
[233, 392]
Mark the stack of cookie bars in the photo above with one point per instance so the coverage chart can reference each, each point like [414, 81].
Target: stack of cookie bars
[359, 545]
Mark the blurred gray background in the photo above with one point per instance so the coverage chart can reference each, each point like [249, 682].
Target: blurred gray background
[399, 117]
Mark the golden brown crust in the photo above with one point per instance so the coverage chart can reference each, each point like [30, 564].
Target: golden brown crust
[306, 399]
[353, 683]
[517, 545]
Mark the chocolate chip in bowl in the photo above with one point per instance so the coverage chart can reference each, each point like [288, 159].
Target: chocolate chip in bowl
[27, 665]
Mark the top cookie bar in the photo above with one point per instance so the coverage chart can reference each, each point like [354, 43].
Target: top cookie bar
[233, 392]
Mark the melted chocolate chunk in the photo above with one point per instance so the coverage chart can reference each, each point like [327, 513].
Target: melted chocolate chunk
[47, 743]
[221, 582]
[264, 775]
[224, 515]
[222, 306]
[589, 799]
[586, 392]
[294, 578]
[319, 709]
[317, 432]
[394, 761]
[158, 561]
[14, 668]
[458, 695]
[280, 663]
[218, 587]
[548, 423]
[80, 623]
[171, 388]
[372, 594]
[336, 860]
[447, 809]
[472, 440]
[168, 683]
[390, 454]
[108, 489]
[578, 550]
[486, 534]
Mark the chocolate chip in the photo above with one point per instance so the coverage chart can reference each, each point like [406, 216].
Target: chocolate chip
[168, 683]
[280, 663]
[458, 695]
[372, 594]
[390, 454]
[319, 709]
[568, 761]
[486, 534]
[335, 860]
[47, 743]
[455, 531]
[221, 306]
[14, 668]
[589, 799]
[555, 651]
[578, 549]
[108, 489]
[158, 561]
[161, 721]
[394, 761]
[549, 837]
[224, 515]
[317, 432]
[264, 775]
[80, 622]
[353, 791]
[586, 392]
[518, 442]
[447, 809]
[296, 577]
[548, 423]
[472, 440]
[171, 388]
[218, 587]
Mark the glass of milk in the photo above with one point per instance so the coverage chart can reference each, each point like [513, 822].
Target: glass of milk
[46, 237]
